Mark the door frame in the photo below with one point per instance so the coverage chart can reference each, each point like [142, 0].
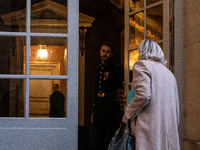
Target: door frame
[46, 133]
[166, 36]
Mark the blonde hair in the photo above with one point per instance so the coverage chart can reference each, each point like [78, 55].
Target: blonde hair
[150, 50]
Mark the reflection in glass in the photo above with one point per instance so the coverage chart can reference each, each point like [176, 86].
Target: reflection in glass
[46, 16]
[49, 16]
[13, 16]
[47, 98]
[133, 56]
[155, 23]
[149, 2]
[12, 55]
[136, 4]
[12, 98]
[136, 29]
[48, 56]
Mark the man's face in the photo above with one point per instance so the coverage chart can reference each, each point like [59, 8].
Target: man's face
[105, 53]
[55, 88]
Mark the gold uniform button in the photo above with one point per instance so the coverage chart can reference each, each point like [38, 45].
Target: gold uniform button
[99, 95]
[102, 94]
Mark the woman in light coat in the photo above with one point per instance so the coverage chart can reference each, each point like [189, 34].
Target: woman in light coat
[154, 111]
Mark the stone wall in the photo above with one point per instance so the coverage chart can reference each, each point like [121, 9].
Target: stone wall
[191, 75]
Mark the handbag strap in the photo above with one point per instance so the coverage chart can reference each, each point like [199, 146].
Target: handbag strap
[122, 129]
[129, 126]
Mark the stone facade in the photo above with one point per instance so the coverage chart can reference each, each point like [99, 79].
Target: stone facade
[187, 53]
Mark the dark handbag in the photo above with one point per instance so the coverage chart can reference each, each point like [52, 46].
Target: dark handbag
[122, 140]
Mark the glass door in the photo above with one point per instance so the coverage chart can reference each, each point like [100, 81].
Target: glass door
[39, 74]
[144, 19]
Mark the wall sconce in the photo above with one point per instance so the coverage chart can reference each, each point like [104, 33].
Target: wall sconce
[65, 54]
[42, 53]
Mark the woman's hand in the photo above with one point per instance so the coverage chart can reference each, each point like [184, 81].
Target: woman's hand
[124, 119]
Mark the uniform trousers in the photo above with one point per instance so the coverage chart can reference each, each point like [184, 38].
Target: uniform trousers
[103, 133]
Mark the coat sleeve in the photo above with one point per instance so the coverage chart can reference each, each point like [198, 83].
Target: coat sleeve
[141, 85]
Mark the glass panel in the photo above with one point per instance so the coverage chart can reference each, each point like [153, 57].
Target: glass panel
[155, 23]
[48, 56]
[12, 55]
[12, 97]
[133, 56]
[149, 2]
[47, 98]
[49, 16]
[161, 45]
[13, 15]
[136, 29]
[136, 4]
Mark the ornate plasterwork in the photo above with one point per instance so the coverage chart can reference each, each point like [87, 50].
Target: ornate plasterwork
[46, 13]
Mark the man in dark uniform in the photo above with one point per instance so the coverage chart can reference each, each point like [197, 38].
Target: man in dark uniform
[108, 78]
[56, 103]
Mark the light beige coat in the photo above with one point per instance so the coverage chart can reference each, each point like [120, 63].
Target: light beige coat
[155, 107]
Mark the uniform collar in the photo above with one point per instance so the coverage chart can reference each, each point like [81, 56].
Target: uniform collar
[106, 64]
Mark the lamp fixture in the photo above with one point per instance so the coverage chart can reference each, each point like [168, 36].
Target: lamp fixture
[42, 53]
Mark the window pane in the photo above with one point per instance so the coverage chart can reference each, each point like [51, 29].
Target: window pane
[161, 45]
[149, 2]
[49, 16]
[12, 55]
[155, 23]
[47, 99]
[133, 56]
[13, 15]
[12, 97]
[136, 29]
[136, 4]
[48, 56]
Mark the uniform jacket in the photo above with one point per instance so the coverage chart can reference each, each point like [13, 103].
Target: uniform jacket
[107, 81]
[154, 110]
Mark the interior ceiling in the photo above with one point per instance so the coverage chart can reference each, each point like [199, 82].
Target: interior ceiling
[94, 7]
[101, 8]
